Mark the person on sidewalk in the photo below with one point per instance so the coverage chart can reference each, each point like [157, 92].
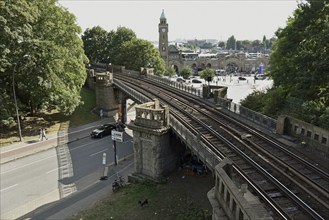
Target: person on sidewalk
[101, 113]
[42, 134]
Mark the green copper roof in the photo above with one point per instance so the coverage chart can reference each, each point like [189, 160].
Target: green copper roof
[162, 15]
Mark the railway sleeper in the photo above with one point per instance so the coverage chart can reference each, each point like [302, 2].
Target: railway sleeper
[275, 194]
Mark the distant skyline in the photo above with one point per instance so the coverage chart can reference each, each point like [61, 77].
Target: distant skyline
[214, 19]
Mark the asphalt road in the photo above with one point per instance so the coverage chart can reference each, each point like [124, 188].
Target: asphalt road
[87, 158]
[47, 176]
[28, 183]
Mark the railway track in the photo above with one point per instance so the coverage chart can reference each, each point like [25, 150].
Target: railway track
[292, 187]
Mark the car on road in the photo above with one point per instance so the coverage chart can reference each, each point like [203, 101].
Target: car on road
[196, 81]
[103, 131]
[242, 78]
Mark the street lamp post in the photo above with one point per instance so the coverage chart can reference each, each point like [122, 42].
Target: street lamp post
[17, 114]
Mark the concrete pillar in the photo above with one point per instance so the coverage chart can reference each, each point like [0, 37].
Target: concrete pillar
[154, 156]
[280, 125]
[105, 98]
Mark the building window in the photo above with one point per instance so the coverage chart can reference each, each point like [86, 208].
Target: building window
[324, 140]
[309, 134]
[316, 137]
[302, 131]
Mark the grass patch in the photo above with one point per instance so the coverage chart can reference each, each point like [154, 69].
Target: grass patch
[83, 113]
[175, 199]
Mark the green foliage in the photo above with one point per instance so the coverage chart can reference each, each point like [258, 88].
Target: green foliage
[221, 44]
[186, 72]
[230, 44]
[121, 47]
[207, 45]
[204, 74]
[96, 44]
[314, 111]
[239, 45]
[166, 200]
[116, 45]
[83, 113]
[270, 102]
[40, 46]
[138, 53]
[255, 101]
[170, 71]
[299, 67]
[300, 60]
[275, 100]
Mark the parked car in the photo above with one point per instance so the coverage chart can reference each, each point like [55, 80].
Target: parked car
[180, 80]
[103, 131]
[242, 78]
[196, 81]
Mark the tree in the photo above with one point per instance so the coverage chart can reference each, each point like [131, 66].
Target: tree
[96, 44]
[300, 57]
[120, 36]
[231, 43]
[206, 73]
[138, 53]
[239, 45]
[256, 44]
[264, 42]
[206, 45]
[246, 45]
[186, 72]
[300, 63]
[170, 71]
[221, 44]
[121, 47]
[47, 60]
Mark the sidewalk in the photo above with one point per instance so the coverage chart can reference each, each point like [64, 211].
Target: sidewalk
[21, 149]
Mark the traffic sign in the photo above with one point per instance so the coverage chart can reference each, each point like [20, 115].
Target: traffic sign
[117, 135]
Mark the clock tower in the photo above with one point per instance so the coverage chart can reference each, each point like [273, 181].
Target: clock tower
[163, 37]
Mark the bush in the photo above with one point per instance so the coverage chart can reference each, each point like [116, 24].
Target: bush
[8, 123]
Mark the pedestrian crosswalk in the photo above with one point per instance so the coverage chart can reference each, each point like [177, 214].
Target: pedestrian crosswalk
[65, 165]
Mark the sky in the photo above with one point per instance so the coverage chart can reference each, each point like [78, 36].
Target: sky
[213, 19]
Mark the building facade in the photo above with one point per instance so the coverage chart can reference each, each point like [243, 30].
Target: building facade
[230, 61]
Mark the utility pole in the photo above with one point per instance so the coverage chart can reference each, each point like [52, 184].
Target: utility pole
[17, 114]
[115, 152]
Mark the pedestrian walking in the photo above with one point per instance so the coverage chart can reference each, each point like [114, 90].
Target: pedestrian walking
[101, 113]
[42, 134]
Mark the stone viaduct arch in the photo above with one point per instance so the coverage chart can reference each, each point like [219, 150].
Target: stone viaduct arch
[230, 63]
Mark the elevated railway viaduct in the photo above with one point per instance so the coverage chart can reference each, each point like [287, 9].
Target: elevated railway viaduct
[256, 176]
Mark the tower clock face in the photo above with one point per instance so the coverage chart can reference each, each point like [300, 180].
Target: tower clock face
[163, 29]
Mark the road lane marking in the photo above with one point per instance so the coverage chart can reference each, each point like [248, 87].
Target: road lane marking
[9, 187]
[84, 145]
[28, 164]
[99, 152]
[56, 169]
[52, 170]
